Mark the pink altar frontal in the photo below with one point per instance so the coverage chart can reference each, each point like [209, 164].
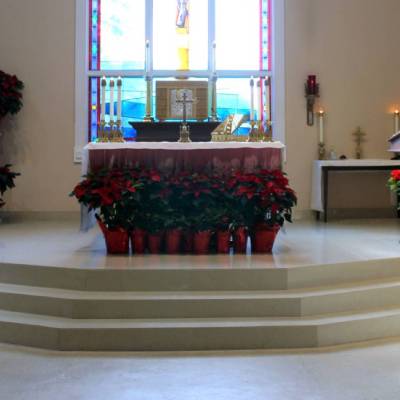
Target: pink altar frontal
[173, 157]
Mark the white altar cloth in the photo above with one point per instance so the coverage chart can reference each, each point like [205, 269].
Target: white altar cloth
[317, 188]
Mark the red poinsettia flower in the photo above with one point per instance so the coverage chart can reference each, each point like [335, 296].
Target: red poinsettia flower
[396, 174]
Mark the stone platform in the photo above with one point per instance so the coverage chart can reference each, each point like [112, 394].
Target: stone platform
[323, 285]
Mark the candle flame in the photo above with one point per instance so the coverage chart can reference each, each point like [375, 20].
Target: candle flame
[396, 112]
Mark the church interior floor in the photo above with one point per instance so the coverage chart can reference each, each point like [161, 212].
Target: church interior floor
[350, 373]
[60, 244]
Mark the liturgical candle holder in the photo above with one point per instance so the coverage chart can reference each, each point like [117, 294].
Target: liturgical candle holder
[110, 132]
[312, 93]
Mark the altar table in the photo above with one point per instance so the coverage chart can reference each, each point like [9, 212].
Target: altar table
[320, 177]
[173, 157]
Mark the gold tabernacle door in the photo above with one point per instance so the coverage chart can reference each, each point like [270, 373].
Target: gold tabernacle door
[169, 96]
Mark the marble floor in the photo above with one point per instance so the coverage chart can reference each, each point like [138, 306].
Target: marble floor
[60, 244]
[349, 373]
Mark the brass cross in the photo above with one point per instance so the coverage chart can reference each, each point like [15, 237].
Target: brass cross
[184, 102]
[359, 139]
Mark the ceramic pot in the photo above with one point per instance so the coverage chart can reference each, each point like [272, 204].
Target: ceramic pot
[173, 241]
[154, 243]
[240, 240]
[264, 238]
[138, 240]
[201, 242]
[188, 237]
[223, 242]
[117, 240]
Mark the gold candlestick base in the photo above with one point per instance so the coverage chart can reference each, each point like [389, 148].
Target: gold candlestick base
[257, 133]
[113, 134]
[321, 151]
[184, 133]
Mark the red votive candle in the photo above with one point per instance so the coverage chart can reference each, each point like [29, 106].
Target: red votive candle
[312, 84]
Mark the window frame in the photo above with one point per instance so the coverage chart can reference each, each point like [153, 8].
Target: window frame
[83, 73]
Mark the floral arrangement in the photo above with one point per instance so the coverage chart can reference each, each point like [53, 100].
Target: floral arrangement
[6, 180]
[149, 200]
[10, 94]
[394, 182]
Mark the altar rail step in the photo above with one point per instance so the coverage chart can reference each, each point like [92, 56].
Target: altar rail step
[198, 279]
[195, 334]
[221, 304]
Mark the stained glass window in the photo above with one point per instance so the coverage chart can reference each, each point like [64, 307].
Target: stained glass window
[181, 34]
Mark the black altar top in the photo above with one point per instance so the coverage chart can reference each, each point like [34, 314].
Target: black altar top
[169, 131]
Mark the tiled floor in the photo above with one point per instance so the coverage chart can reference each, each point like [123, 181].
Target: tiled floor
[359, 373]
[302, 243]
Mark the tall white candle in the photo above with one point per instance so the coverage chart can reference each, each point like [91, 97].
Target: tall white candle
[147, 57]
[111, 99]
[267, 107]
[251, 99]
[396, 121]
[119, 100]
[103, 98]
[321, 115]
[258, 100]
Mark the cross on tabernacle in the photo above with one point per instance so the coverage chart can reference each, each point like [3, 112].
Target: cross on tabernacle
[184, 102]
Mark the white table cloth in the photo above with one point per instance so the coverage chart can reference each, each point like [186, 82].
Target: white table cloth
[317, 188]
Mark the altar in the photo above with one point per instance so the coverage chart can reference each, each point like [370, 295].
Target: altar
[173, 157]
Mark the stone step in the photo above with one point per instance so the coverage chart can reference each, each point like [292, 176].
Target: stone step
[209, 304]
[198, 279]
[196, 334]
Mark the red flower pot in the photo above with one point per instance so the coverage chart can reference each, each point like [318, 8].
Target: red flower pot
[154, 243]
[188, 238]
[240, 240]
[138, 239]
[264, 238]
[223, 241]
[173, 241]
[201, 242]
[117, 240]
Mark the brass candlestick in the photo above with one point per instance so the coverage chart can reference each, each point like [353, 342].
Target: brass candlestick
[257, 133]
[213, 117]
[149, 105]
[101, 132]
[359, 139]
[116, 132]
[321, 151]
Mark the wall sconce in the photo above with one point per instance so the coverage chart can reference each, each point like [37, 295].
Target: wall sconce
[312, 92]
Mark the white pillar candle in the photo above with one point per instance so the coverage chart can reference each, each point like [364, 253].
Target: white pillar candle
[103, 98]
[147, 57]
[396, 121]
[267, 107]
[321, 115]
[251, 99]
[111, 99]
[119, 100]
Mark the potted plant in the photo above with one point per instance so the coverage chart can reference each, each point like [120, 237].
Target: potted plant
[10, 94]
[274, 203]
[6, 180]
[109, 193]
[10, 103]
[394, 183]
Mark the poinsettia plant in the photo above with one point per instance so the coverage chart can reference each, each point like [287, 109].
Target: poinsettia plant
[394, 182]
[109, 192]
[6, 180]
[10, 94]
[261, 197]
